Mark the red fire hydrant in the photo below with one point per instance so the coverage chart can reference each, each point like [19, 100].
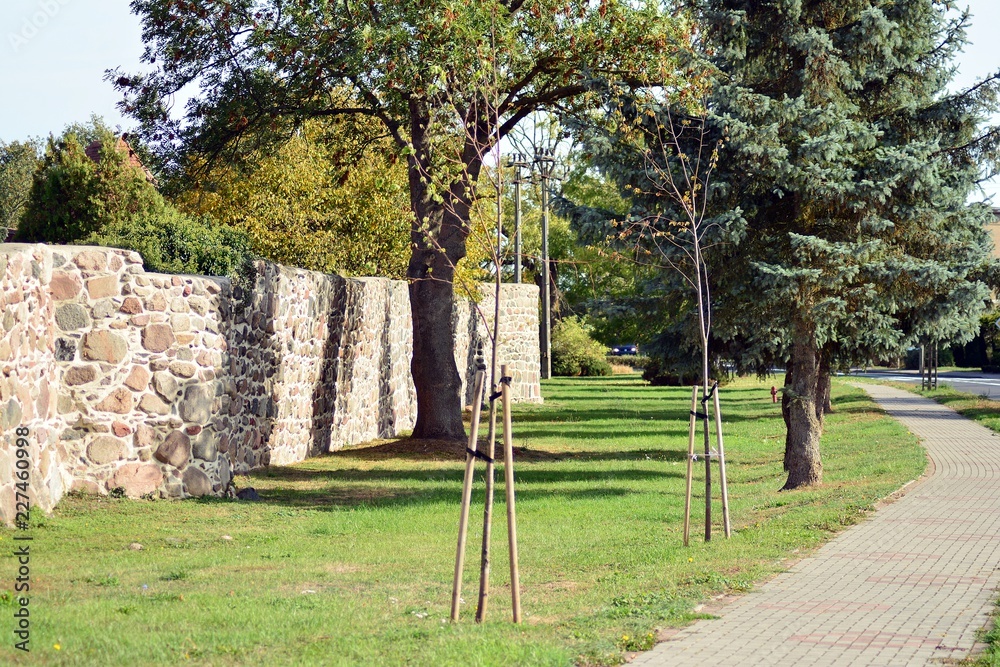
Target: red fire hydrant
[774, 394]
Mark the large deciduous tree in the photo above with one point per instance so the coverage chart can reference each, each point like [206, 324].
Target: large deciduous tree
[311, 202]
[418, 67]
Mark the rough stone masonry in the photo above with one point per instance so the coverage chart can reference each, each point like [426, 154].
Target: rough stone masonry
[170, 385]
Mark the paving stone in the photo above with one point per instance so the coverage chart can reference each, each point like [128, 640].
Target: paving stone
[910, 586]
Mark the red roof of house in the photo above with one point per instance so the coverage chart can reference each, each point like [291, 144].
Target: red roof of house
[122, 146]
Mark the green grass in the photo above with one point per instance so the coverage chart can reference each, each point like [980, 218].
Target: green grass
[348, 558]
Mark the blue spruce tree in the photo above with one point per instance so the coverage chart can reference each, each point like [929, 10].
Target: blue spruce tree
[845, 175]
[853, 166]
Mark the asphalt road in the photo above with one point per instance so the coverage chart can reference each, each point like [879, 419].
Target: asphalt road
[973, 382]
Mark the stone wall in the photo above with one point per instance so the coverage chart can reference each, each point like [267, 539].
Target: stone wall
[28, 385]
[169, 385]
[518, 345]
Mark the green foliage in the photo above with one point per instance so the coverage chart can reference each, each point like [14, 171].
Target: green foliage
[448, 81]
[588, 280]
[659, 374]
[575, 352]
[172, 242]
[635, 361]
[111, 202]
[18, 161]
[854, 176]
[945, 357]
[312, 203]
[73, 197]
[845, 174]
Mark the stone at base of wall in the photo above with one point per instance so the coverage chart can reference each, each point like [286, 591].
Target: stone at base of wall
[171, 384]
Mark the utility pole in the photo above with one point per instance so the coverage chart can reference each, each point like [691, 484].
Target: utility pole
[545, 162]
[518, 162]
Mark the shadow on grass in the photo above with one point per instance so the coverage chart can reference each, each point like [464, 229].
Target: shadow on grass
[347, 495]
[455, 475]
[653, 413]
[394, 497]
[392, 452]
[351, 487]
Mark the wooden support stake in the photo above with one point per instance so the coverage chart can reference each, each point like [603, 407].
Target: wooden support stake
[708, 467]
[692, 426]
[484, 569]
[722, 467]
[463, 522]
[508, 473]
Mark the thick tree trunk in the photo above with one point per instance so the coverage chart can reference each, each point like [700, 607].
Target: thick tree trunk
[437, 237]
[805, 422]
[435, 374]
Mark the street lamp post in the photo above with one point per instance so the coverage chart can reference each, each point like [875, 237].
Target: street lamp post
[545, 163]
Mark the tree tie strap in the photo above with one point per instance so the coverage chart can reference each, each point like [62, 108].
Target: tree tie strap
[504, 380]
[699, 415]
[708, 396]
[478, 455]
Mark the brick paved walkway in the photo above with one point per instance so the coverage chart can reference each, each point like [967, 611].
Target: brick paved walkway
[908, 587]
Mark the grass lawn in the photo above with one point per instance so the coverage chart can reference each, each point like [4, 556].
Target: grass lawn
[348, 558]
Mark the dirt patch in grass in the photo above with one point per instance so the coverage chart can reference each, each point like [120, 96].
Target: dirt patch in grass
[406, 448]
[342, 568]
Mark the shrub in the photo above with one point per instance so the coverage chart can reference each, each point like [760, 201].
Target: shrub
[172, 242]
[72, 196]
[633, 361]
[575, 352]
[111, 202]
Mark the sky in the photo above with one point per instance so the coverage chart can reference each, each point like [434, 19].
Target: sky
[53, 55]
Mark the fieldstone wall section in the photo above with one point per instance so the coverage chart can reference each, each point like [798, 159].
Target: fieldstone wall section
[169, 385]
[518, 345]
[319, 362]
[28, 381]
